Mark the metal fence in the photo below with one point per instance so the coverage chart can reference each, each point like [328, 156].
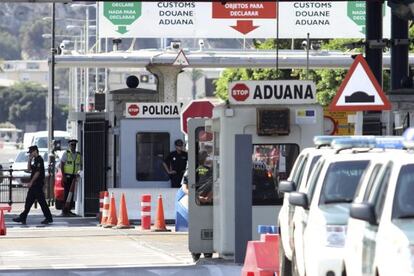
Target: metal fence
[11, 192]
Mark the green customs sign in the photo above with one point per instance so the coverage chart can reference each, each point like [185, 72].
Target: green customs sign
[356, 12]
[122, 14]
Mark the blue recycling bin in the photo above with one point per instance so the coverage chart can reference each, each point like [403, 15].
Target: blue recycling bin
[181, 211]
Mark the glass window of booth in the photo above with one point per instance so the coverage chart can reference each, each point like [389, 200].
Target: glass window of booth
[151, 149]
[204, 167]
[272, 163]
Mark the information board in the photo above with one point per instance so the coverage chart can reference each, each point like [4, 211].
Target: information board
[246, 19]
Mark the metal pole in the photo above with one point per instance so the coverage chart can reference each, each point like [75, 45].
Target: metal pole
[399, 51]
[87, 69]
[277, 39]
[98, 45]
[374, 32]
[51, 104]
[106, 78]
[373, 56]
[307, 55]
[399, 60]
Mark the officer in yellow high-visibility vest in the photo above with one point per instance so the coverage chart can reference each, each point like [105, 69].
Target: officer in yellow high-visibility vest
[70, 164]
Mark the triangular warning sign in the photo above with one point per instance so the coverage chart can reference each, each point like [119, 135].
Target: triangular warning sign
[360, 90]
[181, 59]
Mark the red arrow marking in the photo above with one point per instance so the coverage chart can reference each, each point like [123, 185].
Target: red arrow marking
[244, 26]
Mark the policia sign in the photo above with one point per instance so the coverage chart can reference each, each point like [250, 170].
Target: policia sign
[153, 110]
[272, 92]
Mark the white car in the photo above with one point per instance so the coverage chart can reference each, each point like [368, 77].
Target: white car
[320, 225]
[19, 167]
[298, 178]
[386, 214]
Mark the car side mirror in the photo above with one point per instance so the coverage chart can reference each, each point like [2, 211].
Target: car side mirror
[287, 186]
[363, 211]
[299, 199]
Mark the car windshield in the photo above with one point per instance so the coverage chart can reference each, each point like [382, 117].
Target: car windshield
[22, 157]
[41, 142]
[403, 199]
[341, 181]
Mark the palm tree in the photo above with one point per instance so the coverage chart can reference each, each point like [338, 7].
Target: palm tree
[195, 75]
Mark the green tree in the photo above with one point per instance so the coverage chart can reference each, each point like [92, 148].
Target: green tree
[25, 103]
[9, 46]
[34, 46]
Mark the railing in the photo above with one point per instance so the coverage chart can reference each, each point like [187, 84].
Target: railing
[12, 192]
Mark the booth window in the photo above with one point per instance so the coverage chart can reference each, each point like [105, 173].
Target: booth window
[204, 167]
[272, 163]
[152, 148]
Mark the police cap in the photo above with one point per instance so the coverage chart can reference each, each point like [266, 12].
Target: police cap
[32, 148]
[72, 141]
[179, 143]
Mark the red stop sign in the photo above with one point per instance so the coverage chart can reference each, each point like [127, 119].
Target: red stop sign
[196, 109]
[133, 110]
[240, 92]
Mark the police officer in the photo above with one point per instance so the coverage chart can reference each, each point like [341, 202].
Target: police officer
[37, 180]
[176, 163]
[70, 164]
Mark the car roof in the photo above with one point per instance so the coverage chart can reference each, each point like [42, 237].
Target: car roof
[353, 154]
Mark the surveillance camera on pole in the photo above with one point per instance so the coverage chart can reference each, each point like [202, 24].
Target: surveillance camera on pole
[201, 44]
[304, 45]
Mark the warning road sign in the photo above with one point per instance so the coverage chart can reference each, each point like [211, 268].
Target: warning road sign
[181, 59]
[360, 90]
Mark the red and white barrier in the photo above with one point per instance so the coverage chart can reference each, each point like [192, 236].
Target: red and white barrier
[105, 210]
[101, 204]
[146, 212]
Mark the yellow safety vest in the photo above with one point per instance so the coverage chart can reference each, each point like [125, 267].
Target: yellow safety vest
[72, 166]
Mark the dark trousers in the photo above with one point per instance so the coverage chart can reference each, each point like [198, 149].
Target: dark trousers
[36, 192]
[67, 182]
[176, 179]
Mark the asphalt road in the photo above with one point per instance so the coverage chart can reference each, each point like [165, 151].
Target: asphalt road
[77, 246]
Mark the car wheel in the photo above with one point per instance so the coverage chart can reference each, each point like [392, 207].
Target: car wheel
[208, 255]
[285, 265]
[58, 204]
[295, 269]
[196, 256]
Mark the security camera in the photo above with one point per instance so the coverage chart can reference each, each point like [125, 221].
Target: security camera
[304, 44]
[316, 45]
[175, 44]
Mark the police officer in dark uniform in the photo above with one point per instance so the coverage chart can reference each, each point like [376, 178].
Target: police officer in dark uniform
[176, 163]
[37, 180]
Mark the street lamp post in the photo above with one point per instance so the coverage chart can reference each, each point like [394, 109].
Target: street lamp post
[51, 104]
[86, 6]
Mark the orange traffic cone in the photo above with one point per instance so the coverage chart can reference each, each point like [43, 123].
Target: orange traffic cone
[111, 221]
[123, 221]
[2, 224]
[159, 220]
[105, 210]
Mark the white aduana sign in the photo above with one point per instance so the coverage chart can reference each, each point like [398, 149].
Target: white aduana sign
[272, 92]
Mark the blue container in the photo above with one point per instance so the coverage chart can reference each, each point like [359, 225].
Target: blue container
[181, 212]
